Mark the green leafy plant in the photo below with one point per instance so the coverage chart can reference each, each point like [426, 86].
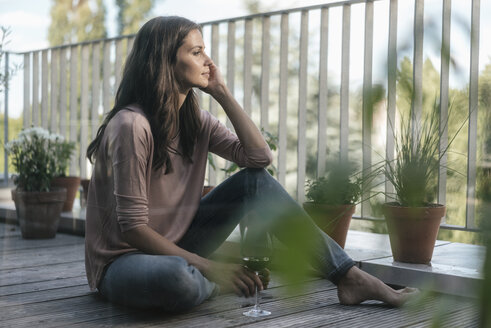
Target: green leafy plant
[414, 170]
[37, 156]
[342, 185]
[63, 151]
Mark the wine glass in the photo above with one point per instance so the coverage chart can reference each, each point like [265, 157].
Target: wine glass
[256, 248]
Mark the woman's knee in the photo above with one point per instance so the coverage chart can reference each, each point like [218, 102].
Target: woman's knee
[185, 288]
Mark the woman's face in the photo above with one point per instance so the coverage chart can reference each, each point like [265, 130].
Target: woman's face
[192, 65]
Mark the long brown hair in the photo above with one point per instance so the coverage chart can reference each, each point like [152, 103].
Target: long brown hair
[148, 80]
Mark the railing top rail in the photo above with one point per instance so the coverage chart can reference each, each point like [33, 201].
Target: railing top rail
[287, 11]
[224, 20]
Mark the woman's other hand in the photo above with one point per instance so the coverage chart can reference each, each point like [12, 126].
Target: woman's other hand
[233, 277]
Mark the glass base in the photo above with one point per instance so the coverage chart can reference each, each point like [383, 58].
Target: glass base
[256, 313]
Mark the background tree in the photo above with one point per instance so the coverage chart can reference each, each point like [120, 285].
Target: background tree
[76, 21]
[132, 14]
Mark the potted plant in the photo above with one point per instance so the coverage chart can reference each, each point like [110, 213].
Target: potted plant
[413, 219]
[333, 198]
[63, 151]
[37, 203]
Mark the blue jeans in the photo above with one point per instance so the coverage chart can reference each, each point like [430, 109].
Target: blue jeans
[171, 284]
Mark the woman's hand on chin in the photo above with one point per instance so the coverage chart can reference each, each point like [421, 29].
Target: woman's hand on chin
[216, 85]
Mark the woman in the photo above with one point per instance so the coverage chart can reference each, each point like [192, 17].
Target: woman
[148, 232]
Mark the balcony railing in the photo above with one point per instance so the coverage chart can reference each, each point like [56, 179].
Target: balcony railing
[283, 79]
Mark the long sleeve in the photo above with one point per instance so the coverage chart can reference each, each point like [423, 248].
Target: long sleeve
[130, 148]
[226, 144]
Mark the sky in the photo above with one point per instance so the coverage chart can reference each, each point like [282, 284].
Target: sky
[29, 21]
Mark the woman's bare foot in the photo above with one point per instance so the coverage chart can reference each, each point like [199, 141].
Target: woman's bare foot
[358, 286]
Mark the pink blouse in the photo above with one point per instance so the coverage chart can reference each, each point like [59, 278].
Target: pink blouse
[125, 192]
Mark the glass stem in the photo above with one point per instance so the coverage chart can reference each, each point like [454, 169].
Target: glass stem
[256, 305]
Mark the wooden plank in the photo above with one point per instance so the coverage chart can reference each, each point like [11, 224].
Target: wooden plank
[217, 307]
[44, 88]
[323, 90]
[391, 91]
[57, 312]
[39, 286]
[63, 93]
[35, 88]
[247, 104]
[55, 91]
[283, 100]
[16, 243]
[41, 256]
[84, 112]
[265, 54]
[367, 105]
[45, 295]
[278, 305]
[344, 93]
[42, 273]
[9, 230]
[26, 116]
[473, 108]
[302, 106]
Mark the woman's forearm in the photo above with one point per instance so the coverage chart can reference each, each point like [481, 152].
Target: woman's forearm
[149, 241]
[248, 133]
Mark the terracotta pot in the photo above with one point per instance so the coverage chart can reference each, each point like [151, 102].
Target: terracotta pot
[413, 231]
[71, 185]
[332, 219]
[85, 191]
[206, 189]
[39, 212]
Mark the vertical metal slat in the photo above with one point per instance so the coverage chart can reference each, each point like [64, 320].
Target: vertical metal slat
[391, 91]
[322, 110]
[344, 94]
[473, 106]
[55, 76]
[444, 80]
[26, 116]
[417, 101]
[35, 89]
[62, 105]
[283, 97]
[248, 66]
[84, 110]
[215, 42]
[230, 61]
[266, 39]
[73, 104]
[96, 84]
[6, 122]
[44, 88]
[118, 63]
[367, 104]
[106, 76]
[302, 106]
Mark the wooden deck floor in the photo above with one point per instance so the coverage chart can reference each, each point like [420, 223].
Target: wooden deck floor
[42, 284]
